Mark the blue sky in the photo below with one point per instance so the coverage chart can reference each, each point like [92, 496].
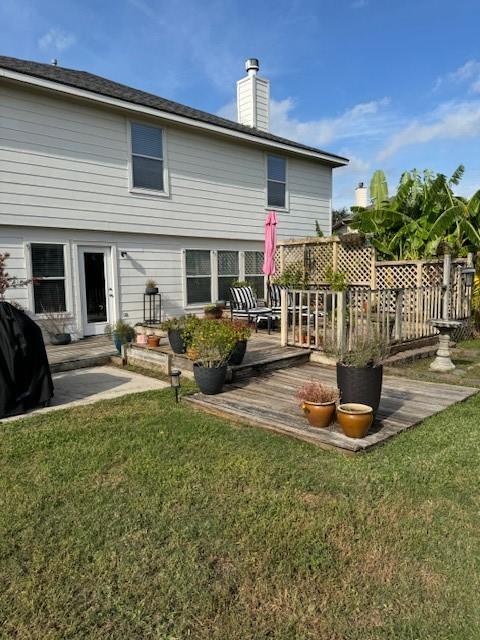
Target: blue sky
[392, 85]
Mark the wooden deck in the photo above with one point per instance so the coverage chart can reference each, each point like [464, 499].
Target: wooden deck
[89, 352]
[269, 401]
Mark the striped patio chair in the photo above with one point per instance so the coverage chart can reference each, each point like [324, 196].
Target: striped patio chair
[244, 304]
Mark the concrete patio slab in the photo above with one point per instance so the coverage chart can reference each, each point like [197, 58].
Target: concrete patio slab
[85, 386]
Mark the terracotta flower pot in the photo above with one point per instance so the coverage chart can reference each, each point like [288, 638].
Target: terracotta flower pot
[318, 415]
[354, 419]
[153, 341]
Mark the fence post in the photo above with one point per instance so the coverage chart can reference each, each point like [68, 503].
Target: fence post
[341, 299]
[447, 267]
[284, 317]
[398, 315]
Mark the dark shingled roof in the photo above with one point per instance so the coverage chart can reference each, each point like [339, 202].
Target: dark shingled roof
[102, 86]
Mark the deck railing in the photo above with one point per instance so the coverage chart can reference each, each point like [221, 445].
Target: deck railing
[316, 318]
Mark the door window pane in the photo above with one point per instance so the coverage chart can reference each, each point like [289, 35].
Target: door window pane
[95, 287]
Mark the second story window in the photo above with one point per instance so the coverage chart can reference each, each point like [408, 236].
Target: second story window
[147, 157]
[276, 182]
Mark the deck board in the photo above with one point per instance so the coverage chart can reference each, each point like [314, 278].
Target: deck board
[269, 401]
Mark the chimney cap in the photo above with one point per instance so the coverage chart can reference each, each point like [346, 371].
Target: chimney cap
[360, 185]
[252, 64]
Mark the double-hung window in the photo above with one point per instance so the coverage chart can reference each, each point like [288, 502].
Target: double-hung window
[198, 269]
[228, 272]
[276, 182]
[48, 272]
[147, 157]
[253, 272]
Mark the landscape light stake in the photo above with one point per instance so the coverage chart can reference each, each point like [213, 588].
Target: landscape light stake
[175, 381]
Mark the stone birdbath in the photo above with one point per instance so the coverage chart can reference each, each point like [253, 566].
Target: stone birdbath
[443, 362]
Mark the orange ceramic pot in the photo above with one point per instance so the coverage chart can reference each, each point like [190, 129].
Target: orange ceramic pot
[153, 341]
[355, 419]
[318, 415]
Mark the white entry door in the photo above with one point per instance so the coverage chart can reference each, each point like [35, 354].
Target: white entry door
[96, 288]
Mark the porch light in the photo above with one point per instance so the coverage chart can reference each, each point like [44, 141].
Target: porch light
[468, 273]
[175, 381]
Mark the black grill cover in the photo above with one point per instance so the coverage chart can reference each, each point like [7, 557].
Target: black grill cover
[25, 380]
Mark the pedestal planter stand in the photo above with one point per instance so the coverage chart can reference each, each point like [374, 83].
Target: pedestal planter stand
[443, 361]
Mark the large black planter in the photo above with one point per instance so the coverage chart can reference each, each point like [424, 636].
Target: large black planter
[210, 380]
[60, 338]
[238, 353]
[175, 337]
[362, 385]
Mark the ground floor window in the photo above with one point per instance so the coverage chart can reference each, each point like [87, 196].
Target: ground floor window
[48, 273]
[210, 274]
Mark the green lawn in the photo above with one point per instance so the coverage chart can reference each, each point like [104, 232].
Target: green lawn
[137, 519]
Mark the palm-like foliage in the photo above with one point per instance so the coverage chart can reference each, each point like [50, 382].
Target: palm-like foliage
[423, 212]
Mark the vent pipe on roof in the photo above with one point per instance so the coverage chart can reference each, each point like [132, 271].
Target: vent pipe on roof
[253, 98]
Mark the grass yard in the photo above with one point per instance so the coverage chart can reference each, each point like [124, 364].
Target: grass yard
[135, 518]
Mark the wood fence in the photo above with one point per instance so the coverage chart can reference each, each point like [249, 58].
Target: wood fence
[318, 318]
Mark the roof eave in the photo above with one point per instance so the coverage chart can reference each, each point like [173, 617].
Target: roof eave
[332, 160]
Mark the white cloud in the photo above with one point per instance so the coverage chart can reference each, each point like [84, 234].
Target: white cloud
[367, 119]
[452, 120]
[56, 39]
[467, 73]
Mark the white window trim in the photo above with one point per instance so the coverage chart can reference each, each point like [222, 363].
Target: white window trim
[139, 190]
[67, 278]
[268, 207]
[214, 275]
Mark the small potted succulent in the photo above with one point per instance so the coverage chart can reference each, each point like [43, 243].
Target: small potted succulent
[212, 344]
[242, 334]
[318, 403]
[180, 331]
[151, 287]
[56, 326]
[121, 333]
[213, 311]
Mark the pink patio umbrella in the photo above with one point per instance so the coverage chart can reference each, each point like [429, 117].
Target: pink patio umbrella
[270, 244]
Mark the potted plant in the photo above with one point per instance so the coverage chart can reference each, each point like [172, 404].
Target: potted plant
[180, 331]
[56, 325]
[318, 403]
[360, 370]
[355, 419]
[242, 334]
[151, 287]
[213, 311]
[121, 333]
[153, 340]
[213, 343]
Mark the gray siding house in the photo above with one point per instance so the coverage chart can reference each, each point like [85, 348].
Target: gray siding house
[103, 186]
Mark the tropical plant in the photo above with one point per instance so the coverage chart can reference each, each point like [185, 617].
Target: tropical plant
[317, 393]
[336, 279]
[423, 212]
[212, 343]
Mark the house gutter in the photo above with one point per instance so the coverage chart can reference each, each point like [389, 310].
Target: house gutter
[331, 160]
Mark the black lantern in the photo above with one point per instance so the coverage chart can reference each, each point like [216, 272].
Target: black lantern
[175, 381]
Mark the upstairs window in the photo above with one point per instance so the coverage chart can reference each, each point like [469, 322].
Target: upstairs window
[147, 157]
[48, 265]
[276, 182]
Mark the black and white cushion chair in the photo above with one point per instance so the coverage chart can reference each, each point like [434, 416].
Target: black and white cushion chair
[244, 304]
[275, 297]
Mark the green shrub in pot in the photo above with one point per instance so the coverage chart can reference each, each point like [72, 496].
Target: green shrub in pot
[242, 334]
[212, 344]
[180, 331]
[121, 333]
